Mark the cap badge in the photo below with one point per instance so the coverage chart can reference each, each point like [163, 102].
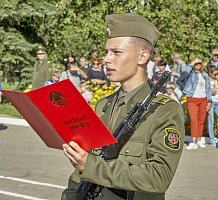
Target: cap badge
[108, 32]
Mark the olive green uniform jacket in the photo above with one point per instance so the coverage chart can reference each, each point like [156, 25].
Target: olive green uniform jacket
[147, 163]
[41, 73]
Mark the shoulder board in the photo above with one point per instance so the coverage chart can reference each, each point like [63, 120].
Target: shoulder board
[162, 99]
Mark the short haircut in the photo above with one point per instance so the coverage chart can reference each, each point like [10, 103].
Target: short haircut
[142, 44]
[74, 63]
[175, 55]
[82, 57]
[56, 73]
[95, 59]
[162, 62]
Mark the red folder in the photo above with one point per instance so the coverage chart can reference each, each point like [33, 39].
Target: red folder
[59, 114]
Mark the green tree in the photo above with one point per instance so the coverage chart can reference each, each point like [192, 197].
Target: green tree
[23, 25]
[186, 26]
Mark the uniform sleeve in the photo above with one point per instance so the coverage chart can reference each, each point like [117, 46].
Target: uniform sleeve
[157, 171]
[49, 72]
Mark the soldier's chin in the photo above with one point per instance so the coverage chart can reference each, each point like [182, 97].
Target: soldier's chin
[112, 79]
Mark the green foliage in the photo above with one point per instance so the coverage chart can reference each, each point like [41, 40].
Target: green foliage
[187, 27]
[78, 26]
[22, 28]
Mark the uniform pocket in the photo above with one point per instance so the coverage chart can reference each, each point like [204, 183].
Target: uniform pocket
[132, 152]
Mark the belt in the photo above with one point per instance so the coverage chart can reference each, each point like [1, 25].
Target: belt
[124, 194]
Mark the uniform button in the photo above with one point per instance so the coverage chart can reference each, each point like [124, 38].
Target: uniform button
[127, 151]
[101, 195]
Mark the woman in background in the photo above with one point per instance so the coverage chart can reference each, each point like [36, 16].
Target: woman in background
[197, 89]
[96, 74]
[66, 61]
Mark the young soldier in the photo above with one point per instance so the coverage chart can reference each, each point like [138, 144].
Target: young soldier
[147, 163]
[42, 70]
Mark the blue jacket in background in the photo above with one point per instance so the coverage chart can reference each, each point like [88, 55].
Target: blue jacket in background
[192, 81]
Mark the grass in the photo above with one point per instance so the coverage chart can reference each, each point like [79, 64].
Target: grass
[10, 110]
[7, 108]
[9, 86]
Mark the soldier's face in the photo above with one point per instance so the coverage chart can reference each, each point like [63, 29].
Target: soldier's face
[121, 60]
[41, 56]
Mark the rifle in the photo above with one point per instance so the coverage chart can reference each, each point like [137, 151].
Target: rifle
[123, 132]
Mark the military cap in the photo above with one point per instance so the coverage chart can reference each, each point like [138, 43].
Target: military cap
[131, 25]
[41, 49]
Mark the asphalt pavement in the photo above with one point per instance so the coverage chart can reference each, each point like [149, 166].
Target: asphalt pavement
[30, 170]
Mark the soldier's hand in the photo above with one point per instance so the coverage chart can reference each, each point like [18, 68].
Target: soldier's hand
[76, 155]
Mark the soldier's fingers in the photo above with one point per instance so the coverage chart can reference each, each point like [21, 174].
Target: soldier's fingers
[76, 147]
[68, 154]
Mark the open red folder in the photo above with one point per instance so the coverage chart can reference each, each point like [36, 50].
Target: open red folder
[59, 114]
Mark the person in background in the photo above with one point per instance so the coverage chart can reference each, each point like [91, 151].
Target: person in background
[55, 78]
[173, 92]
[150, 67]
[197, 89]
[42, 70]
[156, 68]
[214, 59]
[96, 74]
[73, 73]
[85, 93]
[212, 71]
[181, 66]
[66, 61]
[161, 65]
[83, 66]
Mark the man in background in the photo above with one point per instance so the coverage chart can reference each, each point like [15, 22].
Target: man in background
[42, 69]
[214, 59]
[156, 68]
[73, 73]
[83, 66]
[180, 66]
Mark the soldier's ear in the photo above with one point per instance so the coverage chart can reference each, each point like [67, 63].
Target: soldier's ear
[144, 55]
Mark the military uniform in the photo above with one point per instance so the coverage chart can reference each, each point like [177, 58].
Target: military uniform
[148, 161]
[42, 71]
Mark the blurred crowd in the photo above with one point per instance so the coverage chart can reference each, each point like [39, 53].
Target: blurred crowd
[187, 81]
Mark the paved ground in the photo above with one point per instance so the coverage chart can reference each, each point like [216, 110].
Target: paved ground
[30, 170]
